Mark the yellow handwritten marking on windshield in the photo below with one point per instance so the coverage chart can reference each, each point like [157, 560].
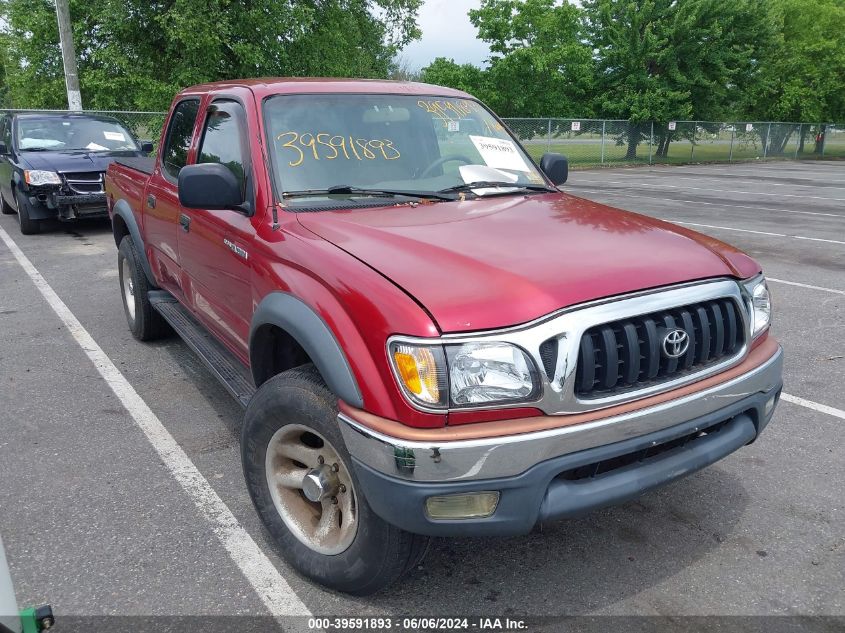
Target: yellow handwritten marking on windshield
[328, 146]
[447, 111]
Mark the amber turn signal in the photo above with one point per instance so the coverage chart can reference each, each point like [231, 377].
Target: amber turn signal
[418, 371]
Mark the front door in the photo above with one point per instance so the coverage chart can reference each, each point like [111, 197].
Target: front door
[214, 246]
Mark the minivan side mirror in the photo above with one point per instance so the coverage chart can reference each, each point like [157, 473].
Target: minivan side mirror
[147, 146]
[556, 167]
[209, 186]
[3, 148]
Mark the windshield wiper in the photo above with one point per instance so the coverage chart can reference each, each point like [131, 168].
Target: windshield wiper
[36, 149]
[361, 191]
[490, 184]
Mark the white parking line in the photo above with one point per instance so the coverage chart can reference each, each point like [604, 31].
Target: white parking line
[809, 286]
[268, 583]
[726, 228]
[815, 406]
[623, 193]
[698, 178]
[711, 190]
[730, 228]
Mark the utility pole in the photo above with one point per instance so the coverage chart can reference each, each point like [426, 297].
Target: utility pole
[74, 98]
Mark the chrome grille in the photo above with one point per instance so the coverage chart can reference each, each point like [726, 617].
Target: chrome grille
[85, 182]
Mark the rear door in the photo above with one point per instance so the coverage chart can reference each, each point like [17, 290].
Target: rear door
[214, 246]
[161, 203]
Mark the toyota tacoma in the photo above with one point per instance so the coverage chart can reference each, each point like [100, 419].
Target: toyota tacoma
[428, 336]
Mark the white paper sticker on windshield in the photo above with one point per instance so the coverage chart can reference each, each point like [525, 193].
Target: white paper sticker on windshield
[453, 126]
[96, 147]
[114, 136]
[499, 153]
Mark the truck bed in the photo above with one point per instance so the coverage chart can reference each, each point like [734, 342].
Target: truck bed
[144, 164]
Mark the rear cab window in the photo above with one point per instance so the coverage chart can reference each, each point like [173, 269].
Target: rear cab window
[174, 153]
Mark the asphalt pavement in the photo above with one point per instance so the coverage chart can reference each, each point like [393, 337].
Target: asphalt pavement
[95, 522]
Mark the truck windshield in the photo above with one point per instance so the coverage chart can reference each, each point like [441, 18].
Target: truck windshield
[359, 145]
[67, 133]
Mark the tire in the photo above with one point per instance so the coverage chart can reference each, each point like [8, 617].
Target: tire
[5, 207]
[294, 412]
[27, 224]
[144, 322]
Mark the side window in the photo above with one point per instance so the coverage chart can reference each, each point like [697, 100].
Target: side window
[6, 132]
[223, 138]
[174, 156]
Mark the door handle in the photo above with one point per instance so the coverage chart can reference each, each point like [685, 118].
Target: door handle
[151, 201]
[184, 222]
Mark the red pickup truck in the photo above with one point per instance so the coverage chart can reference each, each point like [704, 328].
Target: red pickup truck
[428, 336]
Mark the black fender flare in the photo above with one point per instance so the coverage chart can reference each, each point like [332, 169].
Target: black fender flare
[309, 330]
[122, 210]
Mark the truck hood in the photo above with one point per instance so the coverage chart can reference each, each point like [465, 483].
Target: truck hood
[72, 160]
[496, 262]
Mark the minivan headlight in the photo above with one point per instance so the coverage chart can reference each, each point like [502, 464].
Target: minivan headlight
[759, 305]
[464, 374]
[37, 177]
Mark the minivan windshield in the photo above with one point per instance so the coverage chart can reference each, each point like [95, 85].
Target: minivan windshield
[68, 133]
[348, 145]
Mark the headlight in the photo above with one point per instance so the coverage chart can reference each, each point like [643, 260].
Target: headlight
[483, 373]
[760, 305]
[465, 374]
[37, 177]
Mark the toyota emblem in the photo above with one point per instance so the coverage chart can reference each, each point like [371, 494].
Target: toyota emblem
[675, 343]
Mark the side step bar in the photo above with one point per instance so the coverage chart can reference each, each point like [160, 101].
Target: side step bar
[223, 364]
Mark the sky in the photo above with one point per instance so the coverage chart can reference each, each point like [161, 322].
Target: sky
[446, 32]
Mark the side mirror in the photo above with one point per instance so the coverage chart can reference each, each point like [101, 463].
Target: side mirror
[3, 148]
[209, 186]
[147, 146]
[556, 167]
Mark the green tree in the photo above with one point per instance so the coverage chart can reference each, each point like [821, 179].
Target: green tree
[661, 60]
[134, 54]
[466, 77]
[802, 77]
[540, 65]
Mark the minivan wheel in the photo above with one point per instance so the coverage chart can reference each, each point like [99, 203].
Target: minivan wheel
[300, 478]
[5, 207]
[27, 224]
[145, 323]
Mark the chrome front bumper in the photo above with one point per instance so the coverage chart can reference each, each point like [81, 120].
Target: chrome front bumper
[489, 458]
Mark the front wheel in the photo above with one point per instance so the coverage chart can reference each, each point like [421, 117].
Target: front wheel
[27, 224]
[299, 476]
[5, 207]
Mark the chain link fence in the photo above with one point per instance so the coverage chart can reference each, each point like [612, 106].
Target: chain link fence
[599, 142]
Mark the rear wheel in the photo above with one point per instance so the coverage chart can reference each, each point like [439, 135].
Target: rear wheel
[27, 224]
[145, 323]
[300, 478]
